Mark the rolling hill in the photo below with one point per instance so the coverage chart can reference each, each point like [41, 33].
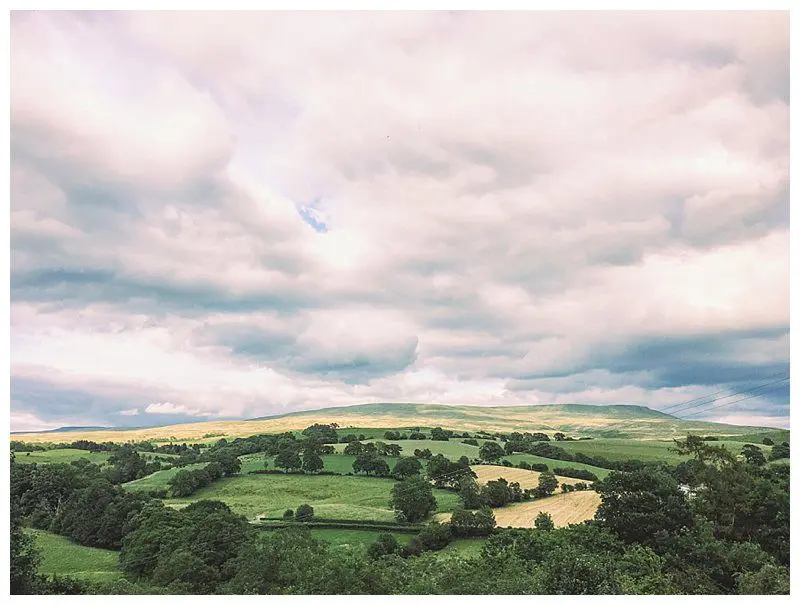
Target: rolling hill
[613, 421]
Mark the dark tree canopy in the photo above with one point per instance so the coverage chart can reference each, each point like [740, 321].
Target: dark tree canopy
[414, 498]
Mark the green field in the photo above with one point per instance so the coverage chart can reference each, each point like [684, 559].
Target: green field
[334, 463]
[632, 449]
[355, 537]
[62, 557]
[515, 459]
[464, 547]
[159, 479]
[452, 449]
[332, 496]
[66, 456]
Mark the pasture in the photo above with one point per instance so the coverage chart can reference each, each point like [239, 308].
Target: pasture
[159, 479]
[61, 556]
[551, 464]
[332, 496]
[65, 456]
[628, 449]
[355, 537]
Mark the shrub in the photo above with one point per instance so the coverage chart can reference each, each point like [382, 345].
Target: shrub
[544, 522]
[305, 512]
[288, 514]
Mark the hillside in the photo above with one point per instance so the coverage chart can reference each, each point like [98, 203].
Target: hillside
[616, 421]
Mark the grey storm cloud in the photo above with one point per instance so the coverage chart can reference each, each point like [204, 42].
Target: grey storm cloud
[308, 210]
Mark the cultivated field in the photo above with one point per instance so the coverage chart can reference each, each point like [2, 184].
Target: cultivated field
[63, 557]
[526, 479]
[573, 507]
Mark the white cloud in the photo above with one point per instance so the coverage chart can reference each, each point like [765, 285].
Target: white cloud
[131, 412]
[505, 197]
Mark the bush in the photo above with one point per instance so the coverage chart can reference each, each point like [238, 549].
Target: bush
[385, 545]
[544, 522]
[435, 536]
[305, 512]
[288, 514]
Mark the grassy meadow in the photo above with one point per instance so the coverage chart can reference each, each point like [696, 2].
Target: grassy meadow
[332, 496]
[159, 479]
[64, 456]
[61, 556]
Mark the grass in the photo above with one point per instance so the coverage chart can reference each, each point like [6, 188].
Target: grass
[63, 557]
[159, 479]
[464, 547]
[332, 496]
[355, 537]
[65, 456]
[551, 464]
[453, 449]
[335, 463]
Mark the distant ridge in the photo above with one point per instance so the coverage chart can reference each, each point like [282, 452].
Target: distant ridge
[598, 421]
[68, 429]
[622, 411]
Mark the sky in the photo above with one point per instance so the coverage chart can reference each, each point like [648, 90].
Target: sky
[235, 215]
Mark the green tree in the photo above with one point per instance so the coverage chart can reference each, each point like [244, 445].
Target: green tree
[386, 544]
[497, 493]
[354, 448]
[544, 522]
[559, 436]
[414, 498]
[288, 459]
[754, 455]
[470, 493]
[25, 557]
[779, 452]
[228, 462]
[547, 484]
[183, 483]
[769, 580]
[638, 505]
[312, 462]
[405, 467]
[491, 451]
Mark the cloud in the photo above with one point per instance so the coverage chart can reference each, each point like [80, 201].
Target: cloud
[166, 407]
[131, 412]
[303, 210]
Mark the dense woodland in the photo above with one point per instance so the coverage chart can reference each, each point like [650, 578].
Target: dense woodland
[715, 524]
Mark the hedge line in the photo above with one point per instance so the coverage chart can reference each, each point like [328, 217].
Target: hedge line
[340, 525]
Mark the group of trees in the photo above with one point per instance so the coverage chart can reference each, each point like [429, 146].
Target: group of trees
[75, 500]
[499, 492]
[575, 473]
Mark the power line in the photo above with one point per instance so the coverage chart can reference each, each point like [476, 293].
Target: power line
[678, 405]
[734, 394]
[731, 402]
